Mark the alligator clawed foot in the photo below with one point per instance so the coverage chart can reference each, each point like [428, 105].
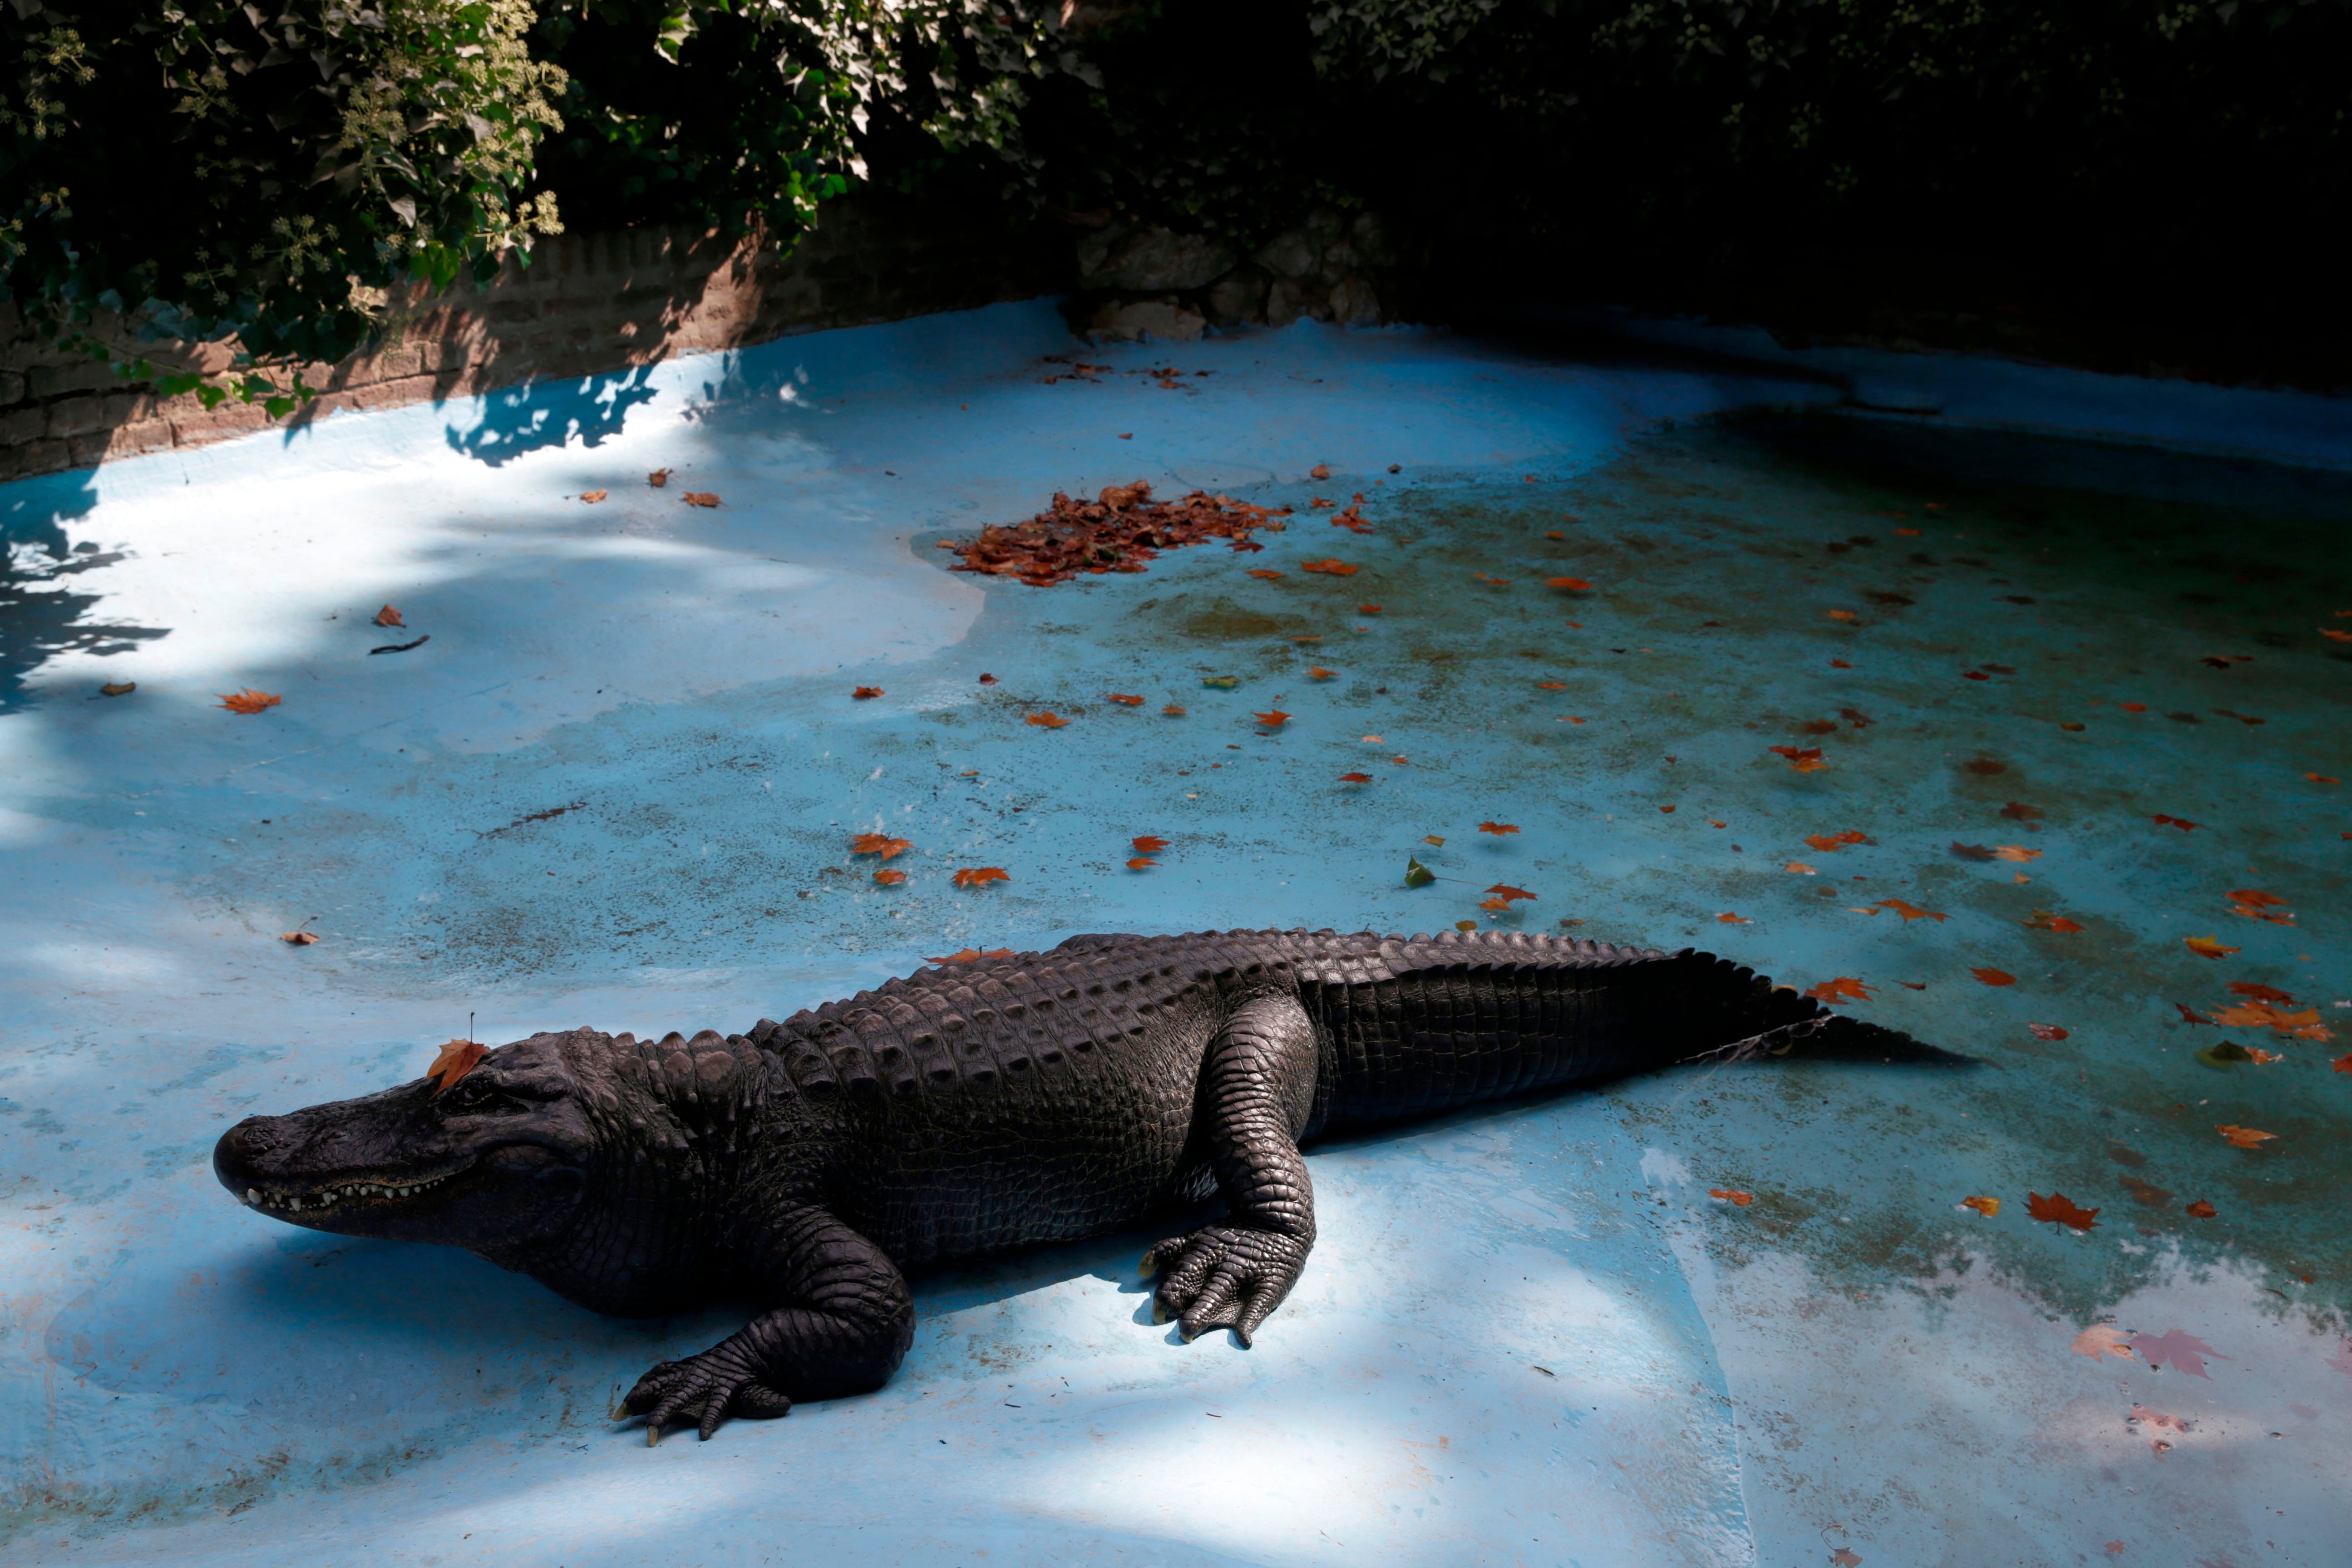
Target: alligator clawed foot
[709, 1388]
[1223, 1276]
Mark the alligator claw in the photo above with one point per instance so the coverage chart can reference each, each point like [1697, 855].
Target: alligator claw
[708, 1388]
[1224, 1276]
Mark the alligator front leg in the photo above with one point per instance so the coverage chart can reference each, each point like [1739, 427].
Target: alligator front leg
[1256, 1091]
[844, 1324]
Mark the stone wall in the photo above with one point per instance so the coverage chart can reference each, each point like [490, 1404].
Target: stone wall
[585, 304]
[1153, 282]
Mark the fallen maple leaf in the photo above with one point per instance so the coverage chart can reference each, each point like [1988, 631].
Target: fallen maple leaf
[1994, 976]
[1329, 568]
[1141, 862]
[2045, 921]
[659, 477]
[1506, 893]
[2058, 1209]
[866, 693]
[2244, 1136]
[1049, 720]
[2258, 991]
[1368, 609]
[1804, 758]
[1273, 721]
[1732, 1196]
[971, 955]
[2322, 778]
[297, 938]
[249, 700]
[2207, 946]
[891, 878]
[981, 876]
[2183, 1349]
[1265, 572]
[1909, 910]
[1971, 851]
[454, 1060]
[1355, 778]
[119, 688]
[1317, 672]
[2019, 811]
[388, 617]
[1124, 699]
[2157, 1419]
[1574, 585]
[2256, 897]
[1845, 1557]
[2015, 852]
[1173, 711]
[1496, 827]
[1844, 988]
[2343, 1063]
[1433, 839]
[2048, 1031]
[880, 844]
[1829, 843]
[1483, 577]
[700, 498]
[1728, 918]
[2182, 823]
[1987, 1208]
[1551, 686]
[592, 497]
[2189, 1014]
[2200, 1210]
[1849, 616]
[2101, 1341]
[1149, 844]
[1801, 868]
[1319, 471]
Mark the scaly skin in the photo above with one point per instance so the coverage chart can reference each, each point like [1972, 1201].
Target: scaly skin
[811, 1165]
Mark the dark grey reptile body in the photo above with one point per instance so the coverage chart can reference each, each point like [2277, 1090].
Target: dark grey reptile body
[971, 1109]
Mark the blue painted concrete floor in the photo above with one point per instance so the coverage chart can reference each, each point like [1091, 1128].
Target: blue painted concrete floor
[617, 787]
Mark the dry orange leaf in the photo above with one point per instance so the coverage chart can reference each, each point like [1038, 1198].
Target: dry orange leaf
[891, 878]
[1828, 842]
[2200, 1210]
[2322, 778]
[2207, 946]
[1319, 471]
[1804, 758]
[659, 477]
[2057, 1209]
[1141, 862]
[1173, 711]
[1505, 892]
[297, 938]
[866, 693]
[1319, 673]
[971, 955]
[1909, 910]
[1334, 568]
[1266, 571]
[700, 498]
[2103, 1339]
[592, 497]
[1849, 616]
[1732, 1196]
[2182, 823]
[249, 700]
[1049, 720]
[1355, 778]
[1844, 988]
[1497, 828]
[1149, 844]
[880, 844]
[388, 617]
[1551, 686]
[1800, 868]
[1124, 699]
[2048, 1031]
[1987, 1208]
[456, 1060]
[2014, 852]
[2245, 1137]
[2045, 921]
[1994, 976]
[1368, 609]
[1273, 721]
[1574, 585]
[981, 876]
[1728, 918]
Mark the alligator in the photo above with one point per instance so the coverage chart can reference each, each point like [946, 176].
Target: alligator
[811, 1166]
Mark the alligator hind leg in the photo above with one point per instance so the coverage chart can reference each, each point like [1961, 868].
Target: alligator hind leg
[1256, 1091]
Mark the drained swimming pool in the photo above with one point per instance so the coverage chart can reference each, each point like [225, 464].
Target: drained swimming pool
[2032, 747]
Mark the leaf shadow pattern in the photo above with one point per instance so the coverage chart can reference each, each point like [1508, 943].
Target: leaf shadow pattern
[39, 617]
[536, 415]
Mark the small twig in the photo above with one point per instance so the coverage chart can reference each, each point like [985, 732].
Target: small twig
[402, 646]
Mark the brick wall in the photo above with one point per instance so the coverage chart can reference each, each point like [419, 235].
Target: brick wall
[587, 303]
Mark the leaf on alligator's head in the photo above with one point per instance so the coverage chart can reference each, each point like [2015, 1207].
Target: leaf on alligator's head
[458, 1059]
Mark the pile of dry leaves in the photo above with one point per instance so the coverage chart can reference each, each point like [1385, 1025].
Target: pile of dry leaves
[1119, 531]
